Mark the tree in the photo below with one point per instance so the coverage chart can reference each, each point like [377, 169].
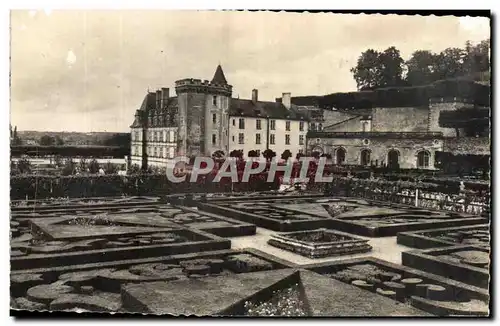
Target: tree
[253, 153]
[477, 58]
[110, 168]
[134, 169]
[378, 69]
[218, 154]
[58, 141]
[286, 154]
[391, 67]
[236, 153]
[450, 64]
[47, 140]
[367, 71]
[94, 166]
[69, 167]
[421, 68]
[83, 164]
[16, 141]
[298, 156]
[24, 166]
[58, 162]
[269, 154]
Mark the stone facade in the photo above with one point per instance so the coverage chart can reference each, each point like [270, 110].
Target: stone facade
[410, 136]
[378, 148]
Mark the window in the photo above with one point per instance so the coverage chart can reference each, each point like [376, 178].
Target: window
[301, 139]
[272, 139]
[234, 122]
[174, 137]
[168, 136]
[214, 139]
[214, 100]
[287, 139]
[242, 123]
[258, 124]
[301, 126]
[257, 139]
[365, 126]
[340, 153]
[214, 118]
[365, 157]
[165, 135]
[258, 152]
[301, 151]
[423, 158]
[241, 138]
[155, 153]
[272, 125]
[171, 152]
[313, 126]
[233, 138]
[150, 136]
[164, 152]
[320, 126]
[287, 126]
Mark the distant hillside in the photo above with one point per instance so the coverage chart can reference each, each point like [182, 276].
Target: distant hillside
[77, 138]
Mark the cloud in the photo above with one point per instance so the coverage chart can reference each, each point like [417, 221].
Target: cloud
[97, 65]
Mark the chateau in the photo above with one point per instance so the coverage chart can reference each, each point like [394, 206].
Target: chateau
[204, 118]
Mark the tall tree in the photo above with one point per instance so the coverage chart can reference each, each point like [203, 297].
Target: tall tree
[450, 64]
[391, 67]
[367, 71]
[378, 69]
[420, 68]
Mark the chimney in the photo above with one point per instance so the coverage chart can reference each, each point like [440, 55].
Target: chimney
[164, 97]
[255, 95]
[287, 100]
[158, 99]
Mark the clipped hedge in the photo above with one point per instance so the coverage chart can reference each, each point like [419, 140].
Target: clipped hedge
[42, 187]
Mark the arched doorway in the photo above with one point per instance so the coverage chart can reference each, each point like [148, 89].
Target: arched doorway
[393, 159]
[340, 156]
[365, 157]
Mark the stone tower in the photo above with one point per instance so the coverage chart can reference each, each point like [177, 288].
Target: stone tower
[203, 118]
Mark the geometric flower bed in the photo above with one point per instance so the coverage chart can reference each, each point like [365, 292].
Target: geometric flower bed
[320, 243]
[431, 293]
[476, 235]
[347, 215]
[463, 263]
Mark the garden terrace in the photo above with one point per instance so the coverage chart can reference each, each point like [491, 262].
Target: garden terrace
[463, 263]
[431, 293]
[100, 286]
[348, 215]
[476, 235]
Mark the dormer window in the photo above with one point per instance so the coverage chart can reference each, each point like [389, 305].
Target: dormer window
[214, 100]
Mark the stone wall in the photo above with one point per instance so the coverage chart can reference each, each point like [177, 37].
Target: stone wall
[407, 119]
[435, 109]
[379, 147]
[353, 124]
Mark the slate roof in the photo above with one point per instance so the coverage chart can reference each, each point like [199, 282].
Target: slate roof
[272, 110]
[219, 77]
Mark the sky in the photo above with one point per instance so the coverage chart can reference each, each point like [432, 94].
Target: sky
[90, 70]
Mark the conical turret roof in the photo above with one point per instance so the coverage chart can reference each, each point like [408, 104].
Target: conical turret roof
[219, 77]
